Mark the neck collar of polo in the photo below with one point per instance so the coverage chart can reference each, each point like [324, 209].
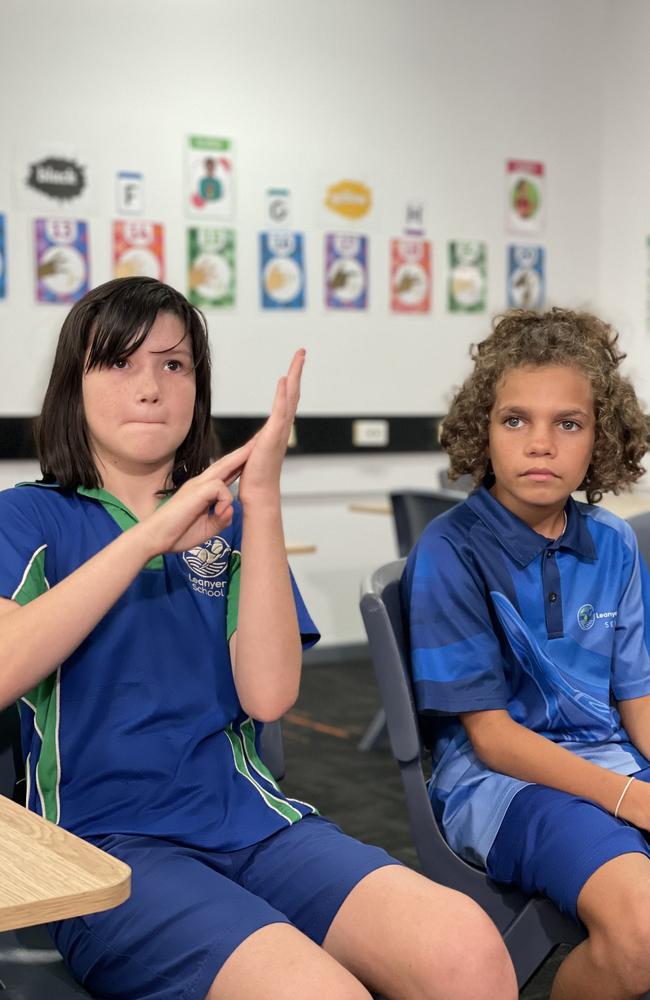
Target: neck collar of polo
[519, 540]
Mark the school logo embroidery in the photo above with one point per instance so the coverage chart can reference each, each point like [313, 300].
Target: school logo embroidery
[588, 616]
[209, 559]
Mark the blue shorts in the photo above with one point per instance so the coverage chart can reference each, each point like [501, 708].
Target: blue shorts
[189, 909]
[550, 843]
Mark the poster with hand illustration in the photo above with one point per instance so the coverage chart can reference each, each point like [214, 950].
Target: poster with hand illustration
[61, 259]
[346, 271]
[282, 270]
[138, 249]
[410, 275]
[211, 267]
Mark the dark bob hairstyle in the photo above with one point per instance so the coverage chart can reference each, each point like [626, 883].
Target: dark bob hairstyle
[106, 325]
[524, 339]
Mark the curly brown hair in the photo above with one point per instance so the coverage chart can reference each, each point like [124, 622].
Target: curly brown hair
[522, 338]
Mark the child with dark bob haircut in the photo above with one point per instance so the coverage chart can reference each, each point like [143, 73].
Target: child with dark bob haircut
[530, 640]
[149, 626]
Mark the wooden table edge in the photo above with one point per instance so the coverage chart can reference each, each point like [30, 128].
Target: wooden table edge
[77, 904]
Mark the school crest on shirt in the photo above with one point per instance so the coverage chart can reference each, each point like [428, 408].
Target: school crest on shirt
[209, 559]
[588, 616]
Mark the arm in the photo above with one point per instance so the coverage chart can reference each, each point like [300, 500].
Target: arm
[635, 713]
[506, 746]
[37, 637]
[266, 650]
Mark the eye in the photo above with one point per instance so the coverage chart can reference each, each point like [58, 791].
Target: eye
[569, 425]
[513, 422]
[176, 366]
[120, 364]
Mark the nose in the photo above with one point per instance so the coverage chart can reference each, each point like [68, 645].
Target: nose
[148, 390]
[540, 441]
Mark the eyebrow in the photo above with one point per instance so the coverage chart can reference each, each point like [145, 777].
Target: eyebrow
[561, 415]
[174, 350]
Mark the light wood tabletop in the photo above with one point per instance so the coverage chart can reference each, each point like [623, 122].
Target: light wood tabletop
[47, 873]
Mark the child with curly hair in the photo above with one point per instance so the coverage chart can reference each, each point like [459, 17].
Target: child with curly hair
[530, 640]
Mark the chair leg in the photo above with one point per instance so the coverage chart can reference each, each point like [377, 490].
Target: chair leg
[374, 732]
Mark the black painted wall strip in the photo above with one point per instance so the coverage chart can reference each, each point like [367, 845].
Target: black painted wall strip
[315, 435]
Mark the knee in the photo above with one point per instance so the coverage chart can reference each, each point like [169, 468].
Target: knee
[623, 952]
[474, 964]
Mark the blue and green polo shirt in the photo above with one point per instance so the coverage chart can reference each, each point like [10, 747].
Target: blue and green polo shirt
[554, 632]
[140, 730]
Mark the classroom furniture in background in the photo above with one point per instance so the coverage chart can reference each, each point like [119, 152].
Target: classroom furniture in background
[531, 928]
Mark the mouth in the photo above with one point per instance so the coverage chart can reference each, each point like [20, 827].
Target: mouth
[539, 475]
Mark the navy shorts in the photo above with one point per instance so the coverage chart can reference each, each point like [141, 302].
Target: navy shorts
[189, 909]
[551, 842]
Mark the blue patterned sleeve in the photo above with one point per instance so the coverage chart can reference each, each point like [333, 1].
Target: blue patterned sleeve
[455, 654]
[631, 655]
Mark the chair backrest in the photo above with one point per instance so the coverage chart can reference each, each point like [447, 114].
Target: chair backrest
[11, 766]
[641, 525]
[413, 509]
[464, 484]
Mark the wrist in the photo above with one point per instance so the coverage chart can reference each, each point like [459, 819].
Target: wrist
[140, 540]
[261, 501]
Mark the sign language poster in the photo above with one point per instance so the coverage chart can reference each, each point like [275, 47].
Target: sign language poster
[282, 271]
[346, 271]
[211, 267]
[210, 172]
[410, 275]
[61, 259]
[138, 249]
[467, 276]
[524, 196]
[526, 286]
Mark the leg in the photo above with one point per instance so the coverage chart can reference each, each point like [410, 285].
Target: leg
[280, 963]
[614, 962]
[411, 939]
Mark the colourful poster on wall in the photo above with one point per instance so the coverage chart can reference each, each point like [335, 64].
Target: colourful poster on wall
[282, 270]
[3, 258]
[210, 177]
[129, 192]
[52, 180]
[138, 249]
[526, 283]
[278, 207]
[346, 271]
[211, 267]
[61, 259]
[410, 275]
[467, 276]
[524, 196]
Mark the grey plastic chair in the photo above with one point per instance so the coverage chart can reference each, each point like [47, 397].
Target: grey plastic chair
[464, 484]
[412, 511]
[641, 525]
[531, 927]
[30, 966]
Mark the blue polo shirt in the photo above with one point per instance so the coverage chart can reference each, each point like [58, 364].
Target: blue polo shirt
[140, 730]
[554, 632]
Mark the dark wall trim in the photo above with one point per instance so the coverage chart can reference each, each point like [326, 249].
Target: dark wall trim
[315, 435]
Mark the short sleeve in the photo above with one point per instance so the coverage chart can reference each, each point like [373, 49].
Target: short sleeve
[23, 548]
[631, 654]
[309, 634]
[456, 659]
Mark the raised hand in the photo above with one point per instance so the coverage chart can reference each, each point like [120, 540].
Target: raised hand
[201, 508]
[260, 478]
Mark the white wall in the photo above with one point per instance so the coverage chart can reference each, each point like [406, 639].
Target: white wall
[422, 98]
[624, 222]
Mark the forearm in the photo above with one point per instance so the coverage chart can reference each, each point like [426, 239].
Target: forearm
[268, 650]
[504, 745]
[635, 715]
[36, 638]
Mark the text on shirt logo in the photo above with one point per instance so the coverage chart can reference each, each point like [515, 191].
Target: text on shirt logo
[206, 562]
[588, 616]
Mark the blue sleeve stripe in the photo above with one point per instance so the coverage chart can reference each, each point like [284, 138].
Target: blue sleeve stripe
[478, 655]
